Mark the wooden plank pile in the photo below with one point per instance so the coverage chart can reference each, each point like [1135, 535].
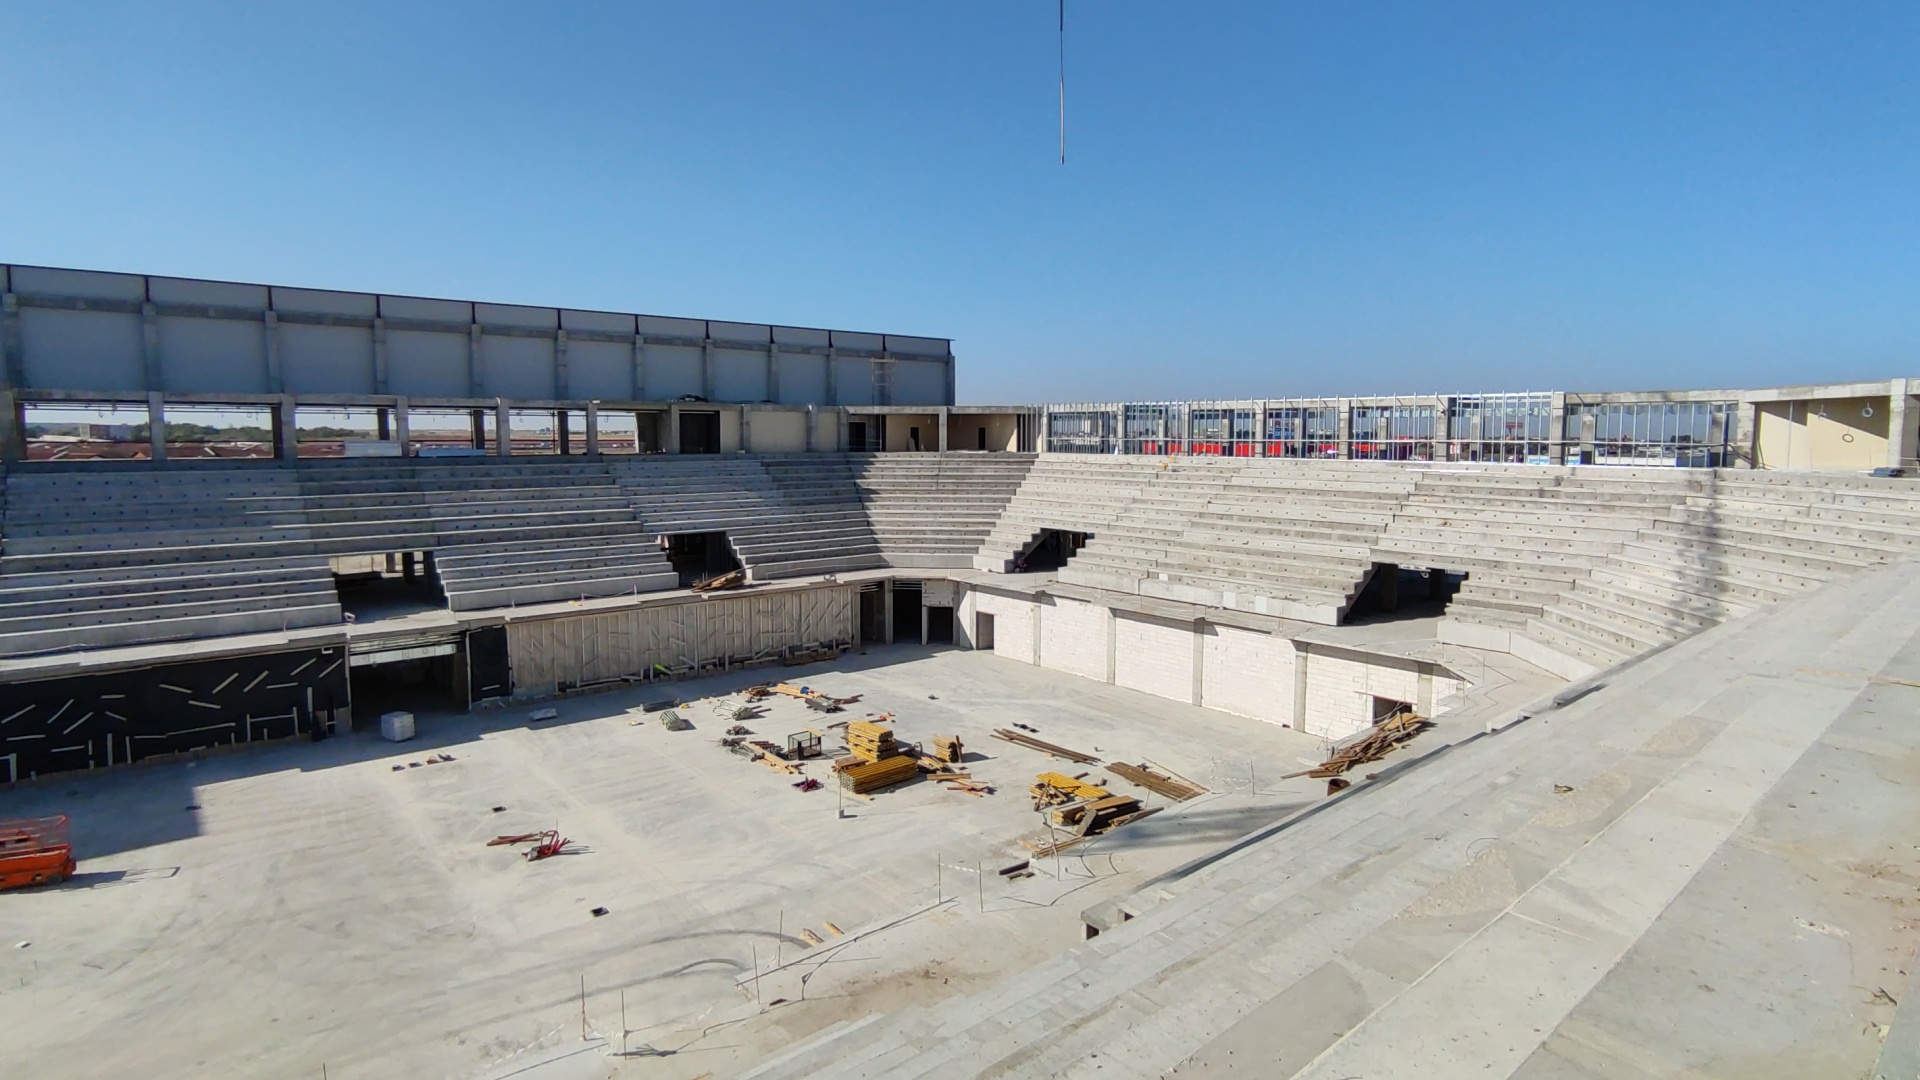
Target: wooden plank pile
[1382, 739]
[1032, 743]
[732, 579]
[1162, 784]
[1058, 789]
[869, 741]
[947, 748]
[861, 777]
[1087, 820]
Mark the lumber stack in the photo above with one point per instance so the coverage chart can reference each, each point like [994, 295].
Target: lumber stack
[1032, 743]
[1379, 741]
[1162, 784]
[862, 777]
[869, 741]
[1055, 789]
[947, 748]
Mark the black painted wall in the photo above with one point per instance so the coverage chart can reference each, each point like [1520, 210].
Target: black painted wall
[117, 717]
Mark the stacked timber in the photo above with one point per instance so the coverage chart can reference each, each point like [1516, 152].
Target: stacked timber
[870, 742]
[861, 777]
[947, 748]
[1163, 784]
[1055, 789]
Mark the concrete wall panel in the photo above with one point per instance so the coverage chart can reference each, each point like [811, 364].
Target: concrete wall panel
[82, 350]
[853, 383]
[672, 370]
[85, 284]
[917, 381]
[1248, 673]
[517, 367]
[325, 302]
[1340, 691]
[848, 340]
[1153, 657]
[778, 431]
[1012, 623]
[213, 355]
[739, 375]
[803, 379]
[426, 363]
[919, 346]
[746, 333]
[800, 335]
[1073, 638]
[607, 322]
[326, 359]
[415, 307]
[661, 326]
[516, 315]
[219, 294]
[599, 369]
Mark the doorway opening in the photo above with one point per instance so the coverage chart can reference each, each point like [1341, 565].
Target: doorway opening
[1411, 592]
[873, 614]
[906, 611]
[939, 626]
[697, 556]
[983, 631]
[699, 432]
[1052, 551]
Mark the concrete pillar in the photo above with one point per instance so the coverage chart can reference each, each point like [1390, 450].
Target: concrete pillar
[942, 444]
[562, 379]
[382, 424]
[833, 377]
[1589, 425]
[923, 622]
[150, 347]
[1199, 693]
[1557, 427]
[270, 332]
[409, 565]
[400, 433]
[706, 368]
[886, 611]
[746, 429]
[639, 367]
[286, 434]
[773, 371]
[157, 426]
[12, 364]
[1345, 421]
[1901, 434]
[478, 416]
[952, 397]
[673, 429]
[562, 432]
[379, 355]
[13, 443]
[1436, 582]
[476, 363]
[593, 429]
[502, 428]
[813, 418]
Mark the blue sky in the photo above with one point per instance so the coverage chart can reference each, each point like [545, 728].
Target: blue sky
[1260, 199]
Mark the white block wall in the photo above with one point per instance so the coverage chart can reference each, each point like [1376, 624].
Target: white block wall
[1012, 623]
[1341, 689]
[1155, 657]
[1073, 638]
[1248, 673]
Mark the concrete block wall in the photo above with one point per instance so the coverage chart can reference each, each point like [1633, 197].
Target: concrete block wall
[1073, 637]
[1341, 688]
[1153, 657]
[1248, 673]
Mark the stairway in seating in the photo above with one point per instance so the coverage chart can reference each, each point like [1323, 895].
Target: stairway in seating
[1082, 493]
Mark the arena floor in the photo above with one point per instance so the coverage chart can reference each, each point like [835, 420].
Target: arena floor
[281, 911]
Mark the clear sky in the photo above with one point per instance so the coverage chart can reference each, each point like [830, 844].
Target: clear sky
[1260, 199]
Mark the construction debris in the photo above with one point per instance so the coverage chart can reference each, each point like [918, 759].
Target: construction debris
[1058, 789]
[797, 656]
[834, 930]
[673, 721]
[861, 777]
[813, 698]
[1382, 739]
[732, 579]
[810, 937]
[1088, 820]
[1162, 784]
[1032, 743]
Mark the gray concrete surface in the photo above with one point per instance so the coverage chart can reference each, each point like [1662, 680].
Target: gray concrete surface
[268, 913]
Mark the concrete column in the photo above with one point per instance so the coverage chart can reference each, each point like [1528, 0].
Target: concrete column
[12, 363]
[400, 433]
[478, 416]
[476, 363]
[150, 347]
[1900, 433]
[1199, 661]
[1113, 646]
[383, 424]
[1345, 420]
[1557, 427]
[286, 438]
[409, 565]
[1442, 429]
[379, 355]
[593, 429]
[1299, 684]
[270, 332]
[840, 430]
[562, 379]
[639, 368]
[813, 417]
[502, 428]
[157, 426]
[923, 622]
[13, 444]
[746, 429]
[952, 397]
[706, 368]
[773, 371]
[562, 432]
[673, 429]
[1589, 424]
[942, 444]
[886, 611]
[833, 377]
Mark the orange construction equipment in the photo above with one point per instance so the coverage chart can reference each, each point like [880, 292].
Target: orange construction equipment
[35, 851]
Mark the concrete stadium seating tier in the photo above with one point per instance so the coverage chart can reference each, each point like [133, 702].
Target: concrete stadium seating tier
[102, 558]
[501, 533]
[1572, 568]
[934, 511]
